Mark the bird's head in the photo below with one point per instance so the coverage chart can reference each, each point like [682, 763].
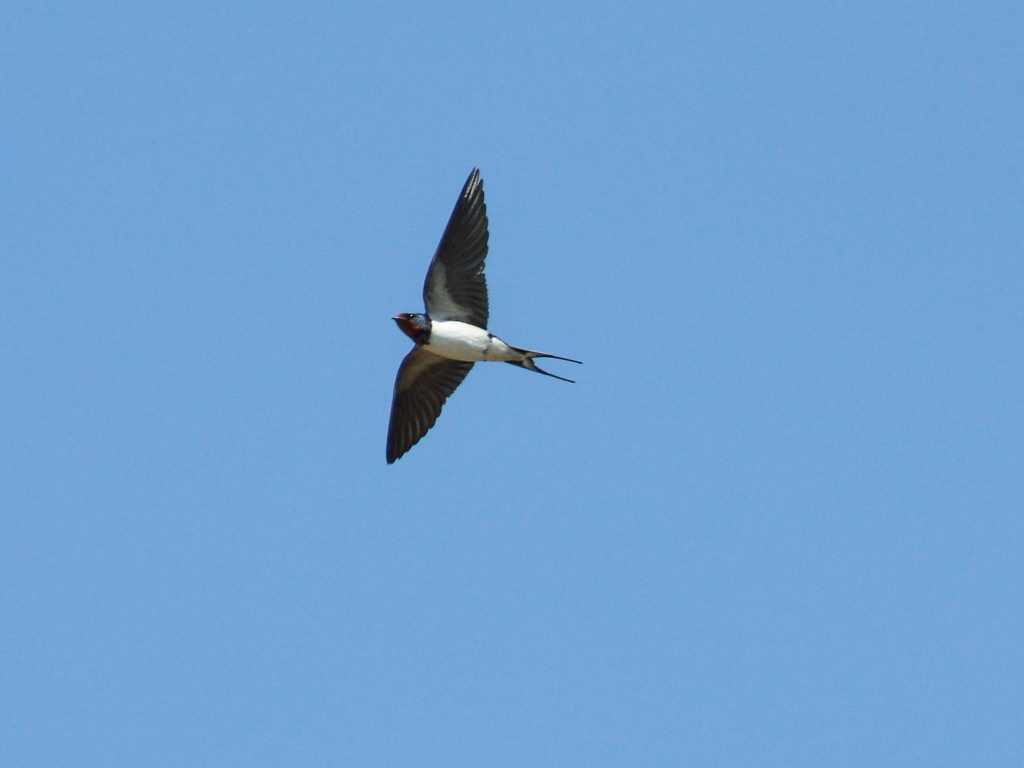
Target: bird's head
[415, 326]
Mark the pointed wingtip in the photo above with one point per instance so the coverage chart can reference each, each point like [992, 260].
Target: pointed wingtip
[391, 453]
[472, 181]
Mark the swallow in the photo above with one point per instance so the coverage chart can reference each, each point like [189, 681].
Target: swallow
[452, 334]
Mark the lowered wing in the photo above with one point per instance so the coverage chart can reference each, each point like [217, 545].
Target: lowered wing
[424, 383]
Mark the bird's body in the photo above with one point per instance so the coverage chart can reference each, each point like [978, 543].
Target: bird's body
[452, 335]
[462, 341]
[455, 340]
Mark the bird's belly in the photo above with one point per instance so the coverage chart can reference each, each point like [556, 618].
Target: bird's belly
[458, 341]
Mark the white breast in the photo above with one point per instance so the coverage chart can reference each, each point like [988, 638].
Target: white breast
[458, 341]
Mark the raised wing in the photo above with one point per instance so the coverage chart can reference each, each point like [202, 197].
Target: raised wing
[455, 288]
[424, 382]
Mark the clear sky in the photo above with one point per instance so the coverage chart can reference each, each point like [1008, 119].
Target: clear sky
[778, 520]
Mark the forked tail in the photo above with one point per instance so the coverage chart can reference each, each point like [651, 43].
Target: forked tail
[528, 364]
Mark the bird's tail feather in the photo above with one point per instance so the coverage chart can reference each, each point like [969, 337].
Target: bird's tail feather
[528, 364]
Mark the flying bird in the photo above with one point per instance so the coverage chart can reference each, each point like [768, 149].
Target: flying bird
[452, 334]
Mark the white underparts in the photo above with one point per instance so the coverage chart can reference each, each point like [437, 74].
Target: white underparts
[462, 341]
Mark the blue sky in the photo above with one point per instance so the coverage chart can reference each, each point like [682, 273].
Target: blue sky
[777, 521]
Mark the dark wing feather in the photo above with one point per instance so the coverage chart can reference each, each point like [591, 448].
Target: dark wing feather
[455, 288]
[424, 382]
